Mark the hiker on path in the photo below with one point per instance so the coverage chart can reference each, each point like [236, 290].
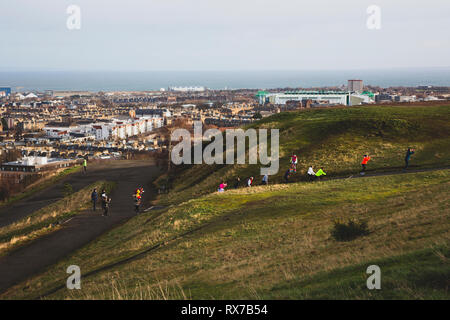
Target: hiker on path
[222, 187]
[293, 168]
[138, 193]
[84, 165]
[94, 198]
[364, 162]
[409, 152]
[294, 161]
[249, 182]
[311, 174]
[320, 173]
[137, 203]
[265, 180]
[105, 203]
[237, 183]
[286, 176]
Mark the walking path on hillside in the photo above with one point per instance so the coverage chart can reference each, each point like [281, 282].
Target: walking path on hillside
[66, 250]
[23, 208]
[388, 173]
[81, 229]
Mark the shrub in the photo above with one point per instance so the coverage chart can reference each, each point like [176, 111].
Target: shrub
[67, 190]
[342, 231]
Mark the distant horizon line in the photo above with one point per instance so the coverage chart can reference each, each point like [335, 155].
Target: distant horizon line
[228, 70]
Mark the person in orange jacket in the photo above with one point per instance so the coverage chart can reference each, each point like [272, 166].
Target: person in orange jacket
[364, 162]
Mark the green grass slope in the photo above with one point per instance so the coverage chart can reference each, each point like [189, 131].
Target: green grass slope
[337, 139]
[272, 242]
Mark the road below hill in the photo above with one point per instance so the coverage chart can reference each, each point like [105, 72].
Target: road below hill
[81, 229]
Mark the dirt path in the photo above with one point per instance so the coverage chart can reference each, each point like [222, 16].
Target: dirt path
[20, 209]
[43, 252]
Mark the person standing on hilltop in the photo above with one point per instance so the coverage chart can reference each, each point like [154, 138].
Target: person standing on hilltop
[293, 168]
[311, 174]
[320, 173]
[265, 180]
[294, 161]
[237, 183]
[94, 198]
[286, 176]
[222, 187]
[409, 152]
[364, 162]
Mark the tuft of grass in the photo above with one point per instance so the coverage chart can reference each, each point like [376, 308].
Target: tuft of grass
[352, 229]
[67, 189]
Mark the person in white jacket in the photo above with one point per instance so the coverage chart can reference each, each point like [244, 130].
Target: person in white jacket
[311, 174]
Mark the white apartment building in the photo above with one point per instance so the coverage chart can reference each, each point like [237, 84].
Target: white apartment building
[115, 129]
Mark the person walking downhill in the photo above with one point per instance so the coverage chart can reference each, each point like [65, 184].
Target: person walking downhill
[409, 152]
[137, 203]
[94, 198]
[320, 173]
[311, 174]
[137, 193]
[105, 203]
[84, 165]
[364, 162]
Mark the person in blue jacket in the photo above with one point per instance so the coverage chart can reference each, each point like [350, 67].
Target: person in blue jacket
[409, 152]
[94, 198]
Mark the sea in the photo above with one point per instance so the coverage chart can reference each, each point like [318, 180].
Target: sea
[39, 81]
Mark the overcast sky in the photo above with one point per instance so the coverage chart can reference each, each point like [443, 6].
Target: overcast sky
[133, 35]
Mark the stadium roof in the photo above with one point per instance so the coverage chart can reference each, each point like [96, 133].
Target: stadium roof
[316, 92]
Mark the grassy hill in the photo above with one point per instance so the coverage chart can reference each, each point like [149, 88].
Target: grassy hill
[337, 139]
[275, 242]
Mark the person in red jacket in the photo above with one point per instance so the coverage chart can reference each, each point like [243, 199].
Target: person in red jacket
[364, 162]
